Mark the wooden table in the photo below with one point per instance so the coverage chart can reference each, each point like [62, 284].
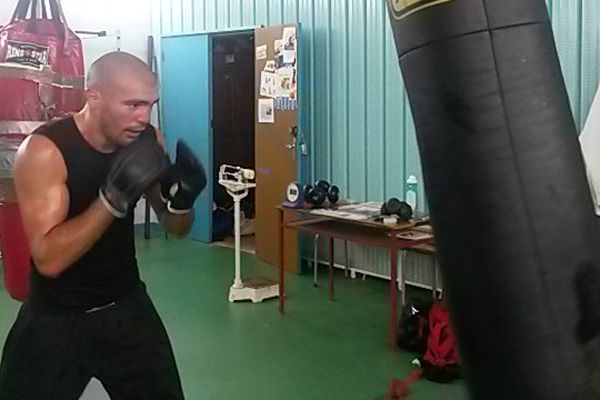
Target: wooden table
[369, 232]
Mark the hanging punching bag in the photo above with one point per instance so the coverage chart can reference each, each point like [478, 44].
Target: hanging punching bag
[518, 241]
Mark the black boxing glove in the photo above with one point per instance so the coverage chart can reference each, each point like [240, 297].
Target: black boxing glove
[136, 167]
[184, 181]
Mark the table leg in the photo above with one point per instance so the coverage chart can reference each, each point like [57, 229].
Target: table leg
[331, 268]
[281, 258]
[393, 290]
[435, 280]
[146, 218]
[346, 262]
[315, 259]
[401, 277]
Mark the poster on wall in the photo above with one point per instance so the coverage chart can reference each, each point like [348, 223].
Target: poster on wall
[286, 104]
[283, 81]
[266, 111]
[278, 79]
[294, 84]
[289, 45]
[261, 52]
[269, 66]
[268, 84]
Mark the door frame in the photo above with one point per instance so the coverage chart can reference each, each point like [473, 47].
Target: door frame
[302, 160]
[172, 120]
[202, 225]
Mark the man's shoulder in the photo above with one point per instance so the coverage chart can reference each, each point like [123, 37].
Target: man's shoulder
[53, 126]
[39, 147]
[38, 162]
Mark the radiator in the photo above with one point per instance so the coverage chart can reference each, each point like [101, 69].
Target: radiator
[419, 269]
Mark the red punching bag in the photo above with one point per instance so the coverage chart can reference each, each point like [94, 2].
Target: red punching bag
[13, 243]
[41, 67]
[41, 77]
[16, 256]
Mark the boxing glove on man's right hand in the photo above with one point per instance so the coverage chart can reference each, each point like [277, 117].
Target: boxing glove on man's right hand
[132, 171]
[184, 181]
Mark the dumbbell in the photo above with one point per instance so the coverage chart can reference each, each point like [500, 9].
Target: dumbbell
[321, 191]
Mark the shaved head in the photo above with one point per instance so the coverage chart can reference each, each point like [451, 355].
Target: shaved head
[111, 68]
[121, 91]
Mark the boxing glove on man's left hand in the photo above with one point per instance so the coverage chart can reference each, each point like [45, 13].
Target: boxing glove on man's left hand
[184, 181]
[134, 169]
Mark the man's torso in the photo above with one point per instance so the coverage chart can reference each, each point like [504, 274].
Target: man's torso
[108, 270]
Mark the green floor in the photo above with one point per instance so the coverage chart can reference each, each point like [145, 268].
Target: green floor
[318, 350]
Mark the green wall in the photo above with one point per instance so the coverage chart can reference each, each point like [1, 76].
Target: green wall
[356, 115]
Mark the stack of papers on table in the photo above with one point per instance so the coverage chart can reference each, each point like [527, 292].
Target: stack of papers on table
[414, 235]
[340, 214]
[371, 208]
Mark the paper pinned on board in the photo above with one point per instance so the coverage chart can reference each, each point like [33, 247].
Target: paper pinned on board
[269, 66]
[268, 84]
[261, 52]
[284, 77]
[289, 44]
[266, 112]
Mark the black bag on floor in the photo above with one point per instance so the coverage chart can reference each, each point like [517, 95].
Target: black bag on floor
[413, 328]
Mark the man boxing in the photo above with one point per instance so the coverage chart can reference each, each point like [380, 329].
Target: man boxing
[77, 181]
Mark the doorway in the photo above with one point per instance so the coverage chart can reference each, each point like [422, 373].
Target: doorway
[204, 108]
[233, 131]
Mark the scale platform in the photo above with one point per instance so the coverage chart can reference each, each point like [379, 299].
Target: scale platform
[256, 289]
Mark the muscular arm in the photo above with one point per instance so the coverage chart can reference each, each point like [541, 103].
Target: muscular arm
[175, 224]
[40, 181]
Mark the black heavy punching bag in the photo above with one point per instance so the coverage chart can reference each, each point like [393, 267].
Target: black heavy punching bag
[518, 241]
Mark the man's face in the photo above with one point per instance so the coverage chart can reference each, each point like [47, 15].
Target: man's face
[124, 108]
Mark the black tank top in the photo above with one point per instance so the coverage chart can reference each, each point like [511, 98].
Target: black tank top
[109, 269]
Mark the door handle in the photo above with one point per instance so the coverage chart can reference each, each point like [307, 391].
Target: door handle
[292, 146]
[293, 131]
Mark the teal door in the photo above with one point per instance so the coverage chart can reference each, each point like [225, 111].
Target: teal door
[186, 112]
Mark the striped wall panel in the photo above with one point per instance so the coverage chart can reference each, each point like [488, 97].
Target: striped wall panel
[357, 118]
